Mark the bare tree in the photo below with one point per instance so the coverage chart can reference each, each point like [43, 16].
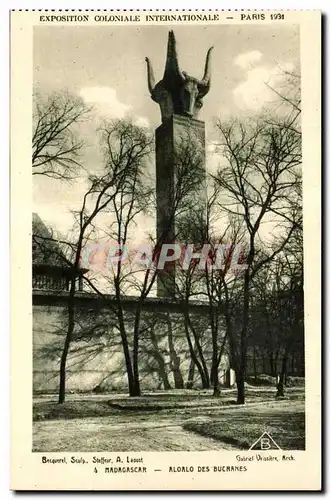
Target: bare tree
[210, 282]
[289, 280]
[261, 173]
[56, 147]
[125, 143]
[127, 153]
[288, 94]
[137, 197]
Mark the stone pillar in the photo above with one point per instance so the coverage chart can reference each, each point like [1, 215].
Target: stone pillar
[172, 138]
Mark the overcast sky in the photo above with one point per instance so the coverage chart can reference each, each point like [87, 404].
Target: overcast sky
[106, 67]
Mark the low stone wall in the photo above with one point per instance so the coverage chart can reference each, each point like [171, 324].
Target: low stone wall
[96, 361]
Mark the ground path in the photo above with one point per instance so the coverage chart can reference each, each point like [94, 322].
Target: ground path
[114, 435]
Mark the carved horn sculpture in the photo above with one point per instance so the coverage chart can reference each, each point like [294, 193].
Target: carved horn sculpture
[150, 75]
[204, 84]
[172, 73]
[177, 92]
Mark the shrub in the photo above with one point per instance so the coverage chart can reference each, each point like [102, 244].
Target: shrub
[295, 381]
[262, 379]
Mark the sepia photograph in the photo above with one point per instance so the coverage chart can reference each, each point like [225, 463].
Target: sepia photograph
[167, 239]
[165, 201]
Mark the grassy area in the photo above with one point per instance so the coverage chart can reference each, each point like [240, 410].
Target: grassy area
[175, 421]
[267, 380]
[181, 401]
[242, 426]
[49, 410]
[88, 409]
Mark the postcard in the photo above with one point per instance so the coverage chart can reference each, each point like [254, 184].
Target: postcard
[165, 250]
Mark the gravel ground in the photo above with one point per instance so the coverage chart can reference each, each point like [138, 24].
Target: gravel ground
[101, 434]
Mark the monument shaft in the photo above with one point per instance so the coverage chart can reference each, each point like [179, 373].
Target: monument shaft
[180, 158]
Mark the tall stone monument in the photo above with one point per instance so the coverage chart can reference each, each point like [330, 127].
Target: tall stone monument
[180, 151]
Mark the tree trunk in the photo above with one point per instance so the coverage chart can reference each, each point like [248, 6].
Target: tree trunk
[233, 358]
[164, 377]
[215, 380]
[243, 341]
[271, 363]
[254, 362]
[194, 357]
[136, 367]
[293, 365]
[240, 381]
[215, 364]
[200, 360]
[71, 326]
[127, 358]
[128, 364]
[190, 378]
[62, 389]
[175, 360]
[135, 352]
[160, 361]
[281, 382]
[133, 389]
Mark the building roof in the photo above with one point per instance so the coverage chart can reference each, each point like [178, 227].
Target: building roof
[46, 250]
